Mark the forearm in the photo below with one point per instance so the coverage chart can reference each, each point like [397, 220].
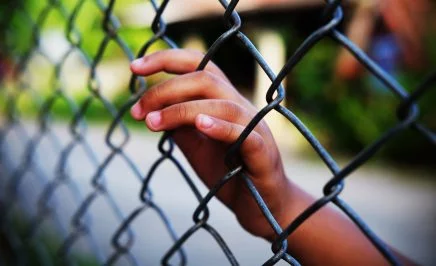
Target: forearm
[328, 237]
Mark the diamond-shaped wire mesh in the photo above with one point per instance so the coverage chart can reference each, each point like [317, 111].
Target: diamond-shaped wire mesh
[27, 166]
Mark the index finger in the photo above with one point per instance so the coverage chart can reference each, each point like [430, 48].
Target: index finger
[174, 61]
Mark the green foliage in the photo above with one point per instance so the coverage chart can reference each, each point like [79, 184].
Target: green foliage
[63, 110]
[351, 115]
[88, 22]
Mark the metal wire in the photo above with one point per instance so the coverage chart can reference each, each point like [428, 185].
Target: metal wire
[48, 202]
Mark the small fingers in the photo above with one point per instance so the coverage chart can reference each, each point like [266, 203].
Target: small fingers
[221, 120]
[184, 114]
[227, 132]
[175, 61]
[191, 86]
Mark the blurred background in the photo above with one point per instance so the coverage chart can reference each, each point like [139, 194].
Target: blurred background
[339, 100]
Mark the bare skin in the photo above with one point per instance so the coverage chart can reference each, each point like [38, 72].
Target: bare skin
[207, 114]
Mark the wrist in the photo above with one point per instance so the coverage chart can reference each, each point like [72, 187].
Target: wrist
[284, 211]
[294, 201]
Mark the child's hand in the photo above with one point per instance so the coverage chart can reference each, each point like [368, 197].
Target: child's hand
[207, 114]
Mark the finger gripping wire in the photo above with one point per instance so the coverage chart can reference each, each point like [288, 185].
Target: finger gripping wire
[44, 134]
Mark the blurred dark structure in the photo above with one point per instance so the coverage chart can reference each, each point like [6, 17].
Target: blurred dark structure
[397, 34]
[270, 15]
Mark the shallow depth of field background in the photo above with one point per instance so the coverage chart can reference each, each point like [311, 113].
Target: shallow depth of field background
[344, 106]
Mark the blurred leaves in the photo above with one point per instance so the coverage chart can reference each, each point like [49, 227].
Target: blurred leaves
[352, 114]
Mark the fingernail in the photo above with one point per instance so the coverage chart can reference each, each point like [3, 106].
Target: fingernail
[137, 62]
[136, 110]
[205, 121]
[154, 119]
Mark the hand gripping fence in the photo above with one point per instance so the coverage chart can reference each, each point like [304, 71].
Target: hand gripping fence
[123, 237]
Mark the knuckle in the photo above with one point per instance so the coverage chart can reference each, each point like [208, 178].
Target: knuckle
[230, 132]
[210, 78]
[155, 92]
[205, 77]
[182, 111]
[210, 81]
[192, 64]
[232, 110]
[151, 96]
[257, 142]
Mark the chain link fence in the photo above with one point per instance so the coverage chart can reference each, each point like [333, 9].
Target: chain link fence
[16, 170]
